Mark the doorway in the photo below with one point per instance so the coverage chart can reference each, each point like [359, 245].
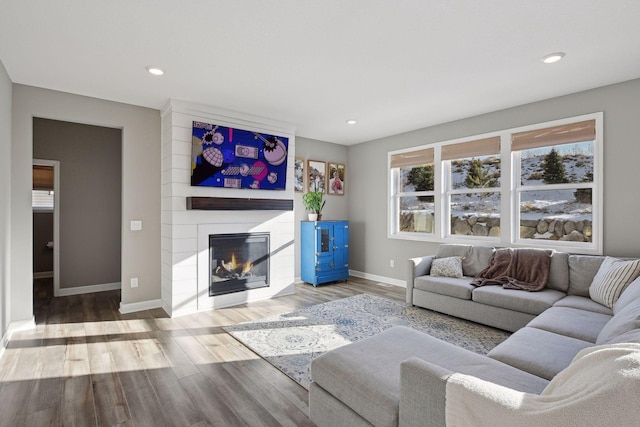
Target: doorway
[46, 223]
[87, 203]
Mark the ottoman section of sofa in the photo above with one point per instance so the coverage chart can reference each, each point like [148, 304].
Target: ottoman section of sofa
[365, 375]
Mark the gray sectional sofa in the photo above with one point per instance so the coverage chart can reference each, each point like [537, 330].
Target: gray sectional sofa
[400, 376]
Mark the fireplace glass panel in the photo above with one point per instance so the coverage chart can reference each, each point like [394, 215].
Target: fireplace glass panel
[238, 262]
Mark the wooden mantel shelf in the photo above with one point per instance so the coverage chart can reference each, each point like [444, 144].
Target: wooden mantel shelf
[235, 204]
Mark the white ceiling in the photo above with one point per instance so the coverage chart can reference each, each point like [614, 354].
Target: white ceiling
[392, 65]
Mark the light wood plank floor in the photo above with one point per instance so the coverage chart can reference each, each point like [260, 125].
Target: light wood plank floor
[87, 365]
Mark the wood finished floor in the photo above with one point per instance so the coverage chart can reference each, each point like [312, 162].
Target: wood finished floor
[86, 364]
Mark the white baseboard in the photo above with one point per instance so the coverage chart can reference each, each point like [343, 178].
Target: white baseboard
[20, 325]
[63, 292]
[140, 306]
[43, 275]
[376, 278]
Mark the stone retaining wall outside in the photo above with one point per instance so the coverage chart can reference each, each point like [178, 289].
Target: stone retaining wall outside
[543, 229]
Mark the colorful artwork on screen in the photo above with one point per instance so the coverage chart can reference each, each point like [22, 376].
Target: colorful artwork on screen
[237, 158]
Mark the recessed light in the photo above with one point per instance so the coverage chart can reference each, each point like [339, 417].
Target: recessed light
[553, 57]
[351, 122]
[155, 71]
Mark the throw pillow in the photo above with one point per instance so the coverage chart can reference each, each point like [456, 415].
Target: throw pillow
[447, 267]
[613, 276]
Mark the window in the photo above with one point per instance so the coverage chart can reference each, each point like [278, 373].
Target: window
[473, 187]
[42, 200]
[556, 182]
[413, 193]
[536, 185]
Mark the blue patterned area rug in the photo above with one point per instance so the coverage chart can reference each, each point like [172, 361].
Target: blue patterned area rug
[290, 341]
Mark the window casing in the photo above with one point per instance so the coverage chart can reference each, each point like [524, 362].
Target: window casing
[505, 188]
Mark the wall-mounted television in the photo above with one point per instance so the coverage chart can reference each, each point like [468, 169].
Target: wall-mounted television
[237, 158]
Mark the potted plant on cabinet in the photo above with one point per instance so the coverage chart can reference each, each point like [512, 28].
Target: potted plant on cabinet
[313, 202]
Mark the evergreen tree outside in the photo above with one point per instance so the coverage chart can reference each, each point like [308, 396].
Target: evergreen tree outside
[553, 171]
[421, 177]
[478, 176]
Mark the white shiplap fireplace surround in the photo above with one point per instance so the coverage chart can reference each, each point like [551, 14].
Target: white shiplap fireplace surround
[185, 233]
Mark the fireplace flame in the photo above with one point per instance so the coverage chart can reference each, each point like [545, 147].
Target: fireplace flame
[247, 267]
[232, 265]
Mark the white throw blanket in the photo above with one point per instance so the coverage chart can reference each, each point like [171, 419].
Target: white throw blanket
[601, 387]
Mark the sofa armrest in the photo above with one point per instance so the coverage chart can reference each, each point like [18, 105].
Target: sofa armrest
[423, 388]
[416, 267]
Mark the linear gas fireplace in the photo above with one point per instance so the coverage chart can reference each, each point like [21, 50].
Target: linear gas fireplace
[238, 262]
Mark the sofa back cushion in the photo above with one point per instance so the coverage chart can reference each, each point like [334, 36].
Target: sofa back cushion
[613, 276]
[628, 296]
[582, 270]
[474, 258]
[559, 272]
[625, 320]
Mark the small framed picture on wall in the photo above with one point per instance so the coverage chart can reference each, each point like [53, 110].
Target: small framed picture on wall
[316, 175]
[336, 178]
[298, 175]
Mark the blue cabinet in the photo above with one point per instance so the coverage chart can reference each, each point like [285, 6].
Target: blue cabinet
[324, 251]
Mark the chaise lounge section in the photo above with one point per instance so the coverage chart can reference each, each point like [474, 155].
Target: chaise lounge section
[401, 376]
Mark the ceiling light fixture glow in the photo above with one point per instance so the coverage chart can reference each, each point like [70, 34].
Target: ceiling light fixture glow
[351, 122]
[155, 71]
[553, 57]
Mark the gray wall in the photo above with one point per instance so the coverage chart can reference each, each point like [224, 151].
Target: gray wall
[5, 198]
[141, 167]
[90, 198]
[371, 250]
[42, 234]
[337, 207]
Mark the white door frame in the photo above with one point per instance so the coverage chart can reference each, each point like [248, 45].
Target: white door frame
[56, 220]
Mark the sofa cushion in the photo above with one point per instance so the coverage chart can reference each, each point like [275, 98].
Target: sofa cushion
[450, 286]
[523, 301]
[559, 272]
[474, 258]
[613, 276]
[447, 267]
[582, 270]
[583, 303]
[623, 321]
[365, 375]
[630, 294]
[581, 324]
[538, 352]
